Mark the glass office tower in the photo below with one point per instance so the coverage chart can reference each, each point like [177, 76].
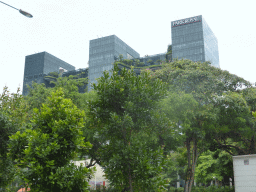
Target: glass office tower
[102, 54]
[39, 65]
[193, 39]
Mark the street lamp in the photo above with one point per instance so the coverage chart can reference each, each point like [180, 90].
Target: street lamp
[21, 11]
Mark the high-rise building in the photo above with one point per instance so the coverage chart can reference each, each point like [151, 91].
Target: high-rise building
[39, 65]
[102, 54]
[193, 39]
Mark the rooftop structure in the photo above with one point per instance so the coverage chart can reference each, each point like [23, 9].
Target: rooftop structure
[193, 39]
[102, 54]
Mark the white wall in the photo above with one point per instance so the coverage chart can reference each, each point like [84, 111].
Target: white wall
[245, 173]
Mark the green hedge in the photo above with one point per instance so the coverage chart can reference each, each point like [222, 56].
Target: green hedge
[204, 189]
[181, 189]
[213, 189]
[174, 189]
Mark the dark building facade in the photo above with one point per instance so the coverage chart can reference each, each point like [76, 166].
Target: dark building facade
[102, 53]
[193, 39]
[39, 65]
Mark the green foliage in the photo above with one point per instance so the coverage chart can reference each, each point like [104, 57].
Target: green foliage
[180, 106]
[70, 87]
[6, 165]
[204, 83]
[174, 189]
[120, 57]
[236, 122]
[150, 61]
[129, 62]
[12, 117]
[207, 168]
[54, 74]
[213, 189]
[176, 165]
[168, 55]
[124, 120]
[140, 65]
[235, 125]
[159, 62]
[38, 93]
[249, 95]
[200, 79]
[48, 145]
[104, 189]
[14, 106]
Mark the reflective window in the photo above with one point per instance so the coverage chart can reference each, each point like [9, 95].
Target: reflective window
[195, 41]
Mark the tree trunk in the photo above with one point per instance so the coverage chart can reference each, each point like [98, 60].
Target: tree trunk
[191, 164]
[130, 178]
[194, 160]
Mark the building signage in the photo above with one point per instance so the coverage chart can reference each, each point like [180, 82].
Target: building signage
[185, 21]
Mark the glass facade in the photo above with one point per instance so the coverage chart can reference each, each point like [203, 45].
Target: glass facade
[40, 64]
[193, 39]
[102, 52]
[210, 45]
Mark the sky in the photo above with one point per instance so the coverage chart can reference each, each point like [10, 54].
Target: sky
[64, 28]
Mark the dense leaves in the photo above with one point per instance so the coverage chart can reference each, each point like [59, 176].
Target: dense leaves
[6, 165]
[125, 121]
[12, 117]
[204, 83]
[216, 165]
[144, 129]
[48, 145]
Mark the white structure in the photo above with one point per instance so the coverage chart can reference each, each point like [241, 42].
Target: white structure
[98, 178]
[245, 173]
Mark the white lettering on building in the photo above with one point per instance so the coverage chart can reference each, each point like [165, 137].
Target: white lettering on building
[185, 21]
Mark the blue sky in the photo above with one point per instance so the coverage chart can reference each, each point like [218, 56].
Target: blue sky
[63, 28]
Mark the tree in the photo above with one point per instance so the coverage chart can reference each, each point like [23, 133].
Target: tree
[48, 144]
[150, 61]
[176, 166]
[235, 126]
[12, 117]
[180, 107]
[218, 165]
[6, 165]
[204, 82]
[168, 55]
[124, 120]
[14, 106]
[38, 93]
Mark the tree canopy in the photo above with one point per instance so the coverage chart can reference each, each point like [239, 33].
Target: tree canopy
[49, 143]
[124, 118]
[204, 83]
